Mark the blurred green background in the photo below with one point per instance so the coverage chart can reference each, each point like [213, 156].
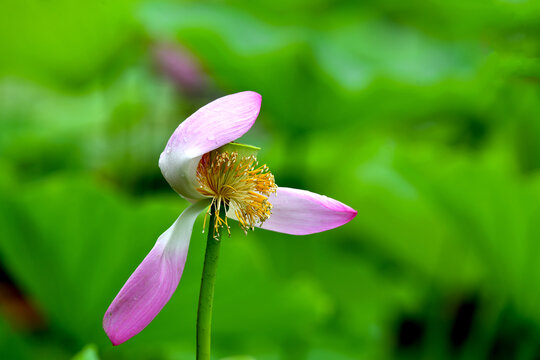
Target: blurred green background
[423, 115]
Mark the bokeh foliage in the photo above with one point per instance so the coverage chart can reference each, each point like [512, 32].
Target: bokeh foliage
[422, 115]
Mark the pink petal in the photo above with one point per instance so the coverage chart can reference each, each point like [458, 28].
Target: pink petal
[215, 124]
[154, 281]
[143, 296]
[300, 212]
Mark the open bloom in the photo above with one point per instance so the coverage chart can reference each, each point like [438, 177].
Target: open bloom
[201, 164]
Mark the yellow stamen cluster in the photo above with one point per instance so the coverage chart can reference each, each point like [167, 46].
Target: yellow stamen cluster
[236, 183]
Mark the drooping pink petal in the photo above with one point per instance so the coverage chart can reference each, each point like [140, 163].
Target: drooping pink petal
[154, 281]
[215, 124]
[300, 212]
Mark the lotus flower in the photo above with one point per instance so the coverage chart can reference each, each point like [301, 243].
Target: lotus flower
[198, 165]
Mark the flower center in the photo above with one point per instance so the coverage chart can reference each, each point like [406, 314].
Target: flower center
[237, 183]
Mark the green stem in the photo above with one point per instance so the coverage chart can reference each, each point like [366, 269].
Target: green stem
[206, 296]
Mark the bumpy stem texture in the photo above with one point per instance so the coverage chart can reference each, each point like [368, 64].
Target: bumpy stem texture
[206, 296]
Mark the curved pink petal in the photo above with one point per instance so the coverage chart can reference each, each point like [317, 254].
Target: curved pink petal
[215, 124]
[300, 212]
[154, 281]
